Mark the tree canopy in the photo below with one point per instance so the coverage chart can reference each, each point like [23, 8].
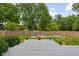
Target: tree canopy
[35, 16]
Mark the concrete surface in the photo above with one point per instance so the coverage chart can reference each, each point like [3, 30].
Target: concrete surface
[42, 48]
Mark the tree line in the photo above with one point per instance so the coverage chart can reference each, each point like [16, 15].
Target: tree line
[35, 16]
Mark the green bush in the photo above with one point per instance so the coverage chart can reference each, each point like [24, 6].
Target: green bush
[28, 37]
[12, 26]
[3, 46]
[22, 38]
[12, 40]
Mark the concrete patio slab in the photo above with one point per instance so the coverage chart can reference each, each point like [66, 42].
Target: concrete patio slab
[42, 48]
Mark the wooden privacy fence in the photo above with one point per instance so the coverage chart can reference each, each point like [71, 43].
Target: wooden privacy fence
[2, 33]
[35, 33]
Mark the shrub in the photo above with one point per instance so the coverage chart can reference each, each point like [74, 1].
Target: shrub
[28, 37]
[12, 26]
[39, 38]
[12, 40]
[3, 46]
[22, 38]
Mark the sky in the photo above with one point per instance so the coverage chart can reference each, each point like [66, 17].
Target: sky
[64, 9]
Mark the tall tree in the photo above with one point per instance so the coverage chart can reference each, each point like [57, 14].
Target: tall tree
[58, 19]
[68, 22]
[75, 7]
[8, 12]
[34, 14]
[27, 14]
[44, 16]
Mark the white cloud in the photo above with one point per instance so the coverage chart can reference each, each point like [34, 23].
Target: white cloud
[52, 9]
[53, 13]
[69, 7]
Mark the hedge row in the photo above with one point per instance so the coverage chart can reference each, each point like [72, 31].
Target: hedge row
[8, 41]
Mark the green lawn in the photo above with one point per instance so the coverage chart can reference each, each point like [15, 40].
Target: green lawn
[67, 40]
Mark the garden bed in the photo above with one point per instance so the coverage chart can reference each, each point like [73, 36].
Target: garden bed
[67, 40]
[9, 41]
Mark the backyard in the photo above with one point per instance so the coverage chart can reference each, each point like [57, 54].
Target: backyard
[46, 47]
[22, 41]
[33, 29]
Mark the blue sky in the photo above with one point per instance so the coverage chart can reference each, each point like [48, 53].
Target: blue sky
[64, 9]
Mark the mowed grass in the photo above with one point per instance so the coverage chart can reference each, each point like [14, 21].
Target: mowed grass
[67, 40]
